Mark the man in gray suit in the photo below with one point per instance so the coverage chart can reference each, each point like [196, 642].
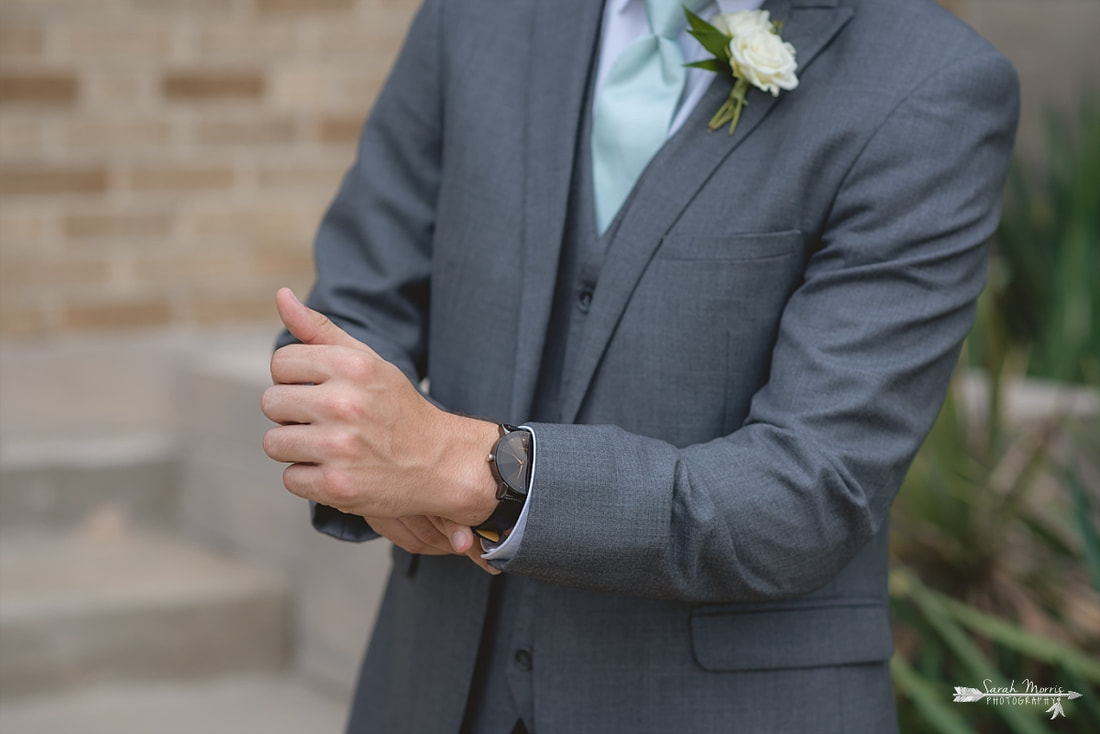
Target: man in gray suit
[724, 372]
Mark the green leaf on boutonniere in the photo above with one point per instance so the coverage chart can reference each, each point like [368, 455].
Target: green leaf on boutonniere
[711, 38]
[709, 64]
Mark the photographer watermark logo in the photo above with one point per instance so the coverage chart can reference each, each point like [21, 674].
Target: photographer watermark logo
[1029, 694]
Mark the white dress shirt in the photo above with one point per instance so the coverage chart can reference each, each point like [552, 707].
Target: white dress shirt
[623, 22]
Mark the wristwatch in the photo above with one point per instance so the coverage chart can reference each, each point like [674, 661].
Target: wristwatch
[510, 464]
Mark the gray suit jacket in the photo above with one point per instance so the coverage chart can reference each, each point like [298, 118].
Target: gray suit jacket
[770, 339]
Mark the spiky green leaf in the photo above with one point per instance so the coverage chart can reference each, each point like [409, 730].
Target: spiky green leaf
[710, 65]
[929, 701]
[712, 39]
[1085, 518]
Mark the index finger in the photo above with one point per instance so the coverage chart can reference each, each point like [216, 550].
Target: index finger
[299, 364]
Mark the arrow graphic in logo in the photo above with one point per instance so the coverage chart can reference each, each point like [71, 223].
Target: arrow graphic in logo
[970, 695]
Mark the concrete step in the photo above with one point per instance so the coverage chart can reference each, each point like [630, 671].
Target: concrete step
[252, 703]
[61, 483]
[232, 496]
[105, 605]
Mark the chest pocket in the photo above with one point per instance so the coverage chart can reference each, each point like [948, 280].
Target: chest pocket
[734, 247]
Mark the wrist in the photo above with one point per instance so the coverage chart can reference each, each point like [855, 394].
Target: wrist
[474, 488]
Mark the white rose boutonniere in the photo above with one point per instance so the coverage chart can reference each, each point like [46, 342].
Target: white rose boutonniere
[746, 45]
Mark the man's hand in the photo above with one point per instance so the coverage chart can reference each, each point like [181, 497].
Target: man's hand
[432, 536]
[359, 437]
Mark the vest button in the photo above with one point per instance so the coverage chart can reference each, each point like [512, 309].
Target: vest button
[522, 657]
[584, 300]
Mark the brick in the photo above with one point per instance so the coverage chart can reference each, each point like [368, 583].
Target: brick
[178, 178]
[254, 40]
[20, 231]
[338, 128]
[272, 222]
[230, 266]
[303, 88]
[326, 87]
[29, 181]
[284, 262]
[70, 9]
[324, 178]
[112, 87]
[245, 132]
[22, 137]
[120, 314]
[235, 308]
[359, 90]
[82, 43]
[82, 226]
[212, 85]
[266, 7]
[42, 87]
[21, 41]
[20, 272]
[20, 320]
[378, 39]
[187, 7]
[115, 135]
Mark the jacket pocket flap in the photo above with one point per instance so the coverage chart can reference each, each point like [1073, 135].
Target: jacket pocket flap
[727, 638]
[729, 247]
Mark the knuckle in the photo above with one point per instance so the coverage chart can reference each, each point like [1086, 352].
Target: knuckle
[340, 444]
[270, 443]
[291, 480]
[357, 365]
[280, 362]
[367, 366]
[337, 485]
[343, 406]
[267, 401]
[320, 321]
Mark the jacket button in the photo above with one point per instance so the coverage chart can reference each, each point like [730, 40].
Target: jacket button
[584, 300]
[523, 658]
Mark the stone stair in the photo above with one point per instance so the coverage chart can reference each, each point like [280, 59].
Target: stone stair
[80, 608]
[272, 704]
[117, 615]
[61, 483]
[112, 621]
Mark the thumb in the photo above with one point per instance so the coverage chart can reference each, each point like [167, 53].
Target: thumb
[309, 326]
[461, 537]
[463, 542]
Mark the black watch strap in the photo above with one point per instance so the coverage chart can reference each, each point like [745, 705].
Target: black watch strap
[512, 498]
[503, 519]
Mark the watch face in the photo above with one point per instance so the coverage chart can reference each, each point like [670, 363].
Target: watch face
[512, 460]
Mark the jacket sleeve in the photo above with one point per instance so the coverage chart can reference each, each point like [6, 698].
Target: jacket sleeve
[373, 248]
[865, 349]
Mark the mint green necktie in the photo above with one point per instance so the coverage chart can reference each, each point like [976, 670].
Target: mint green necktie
[635, 105]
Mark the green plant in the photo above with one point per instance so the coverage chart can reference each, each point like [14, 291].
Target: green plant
[995, 555]
[1047, 253]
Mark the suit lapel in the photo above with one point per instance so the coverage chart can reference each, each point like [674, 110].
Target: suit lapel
[678, 171]
[564, 34]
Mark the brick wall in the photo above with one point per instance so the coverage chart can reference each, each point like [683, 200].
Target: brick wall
[165, 162]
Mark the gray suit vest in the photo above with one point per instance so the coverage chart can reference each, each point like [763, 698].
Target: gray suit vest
[502, 690]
